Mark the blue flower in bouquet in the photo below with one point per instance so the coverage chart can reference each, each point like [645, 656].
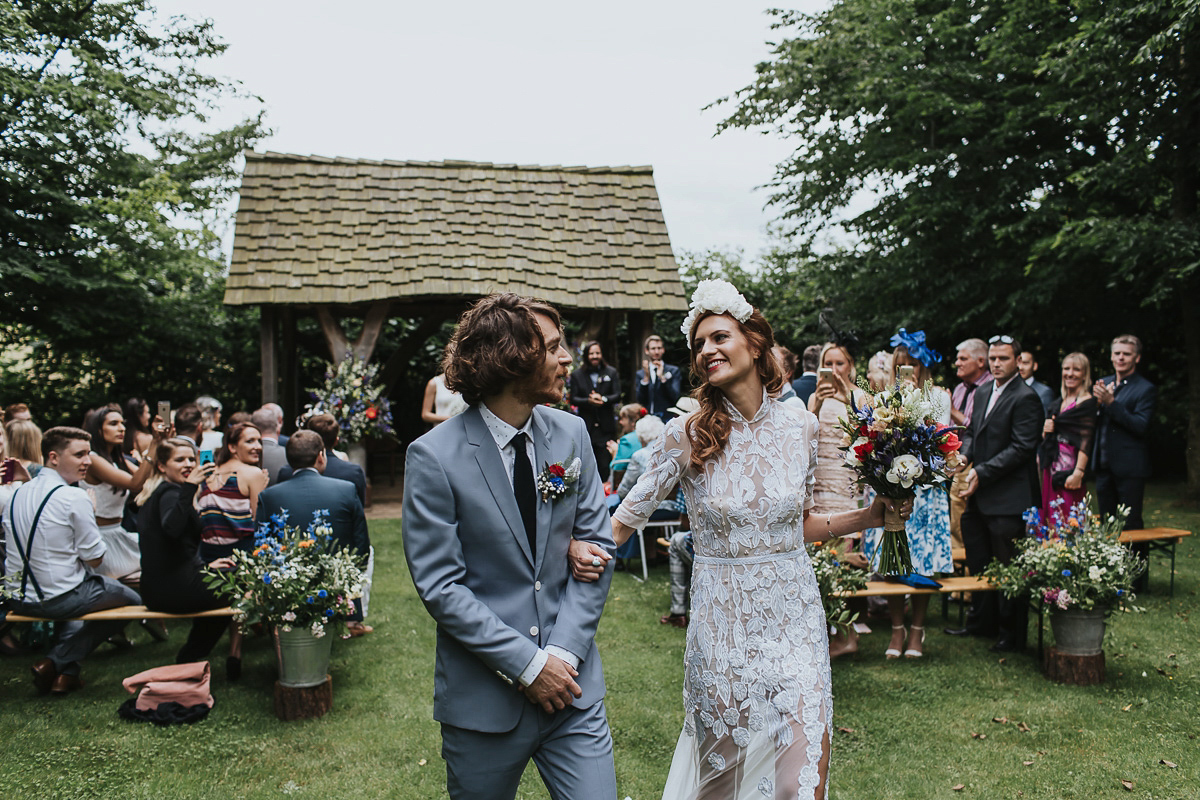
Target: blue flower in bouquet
[267, 578]
[1066, 573]
[322, 593]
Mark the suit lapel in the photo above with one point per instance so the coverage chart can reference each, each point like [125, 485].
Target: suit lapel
[487, 456]
[542, 449]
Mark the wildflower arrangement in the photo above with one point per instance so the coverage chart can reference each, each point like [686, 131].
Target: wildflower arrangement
[1075, 560]
[557, 479]
[834, 579]
[353, 395]
[895, 446]
[293, 578]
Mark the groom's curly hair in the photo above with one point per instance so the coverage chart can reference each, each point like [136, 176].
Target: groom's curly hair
[497, 341]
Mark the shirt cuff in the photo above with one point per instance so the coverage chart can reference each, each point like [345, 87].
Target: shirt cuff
[565, 655]
[533, 668]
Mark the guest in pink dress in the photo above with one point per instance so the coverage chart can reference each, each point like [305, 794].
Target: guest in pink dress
[1070, 422]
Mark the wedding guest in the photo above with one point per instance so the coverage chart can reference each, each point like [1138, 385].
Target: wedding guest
[970, 366]
[623, 448]
[439, 403]
[17, 411]
[326, 426]
[1001, 444]
[169, 534]
[282, 440]
[273, 456]
[787, 365]
[1027, 365]
[594, 388]
[229, 496]
[189, 424]
[928, 529]
[806, 384]
[109, 482]
[658, 383]
[210, 409]
[879, 371]
[137, 429]
[25, 444]
[1122, 457]
[1067, 438]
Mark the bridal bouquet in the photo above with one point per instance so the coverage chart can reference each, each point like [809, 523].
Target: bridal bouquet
[895, 446]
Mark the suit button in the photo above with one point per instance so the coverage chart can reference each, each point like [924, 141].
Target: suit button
[533, 631]
[537, 586]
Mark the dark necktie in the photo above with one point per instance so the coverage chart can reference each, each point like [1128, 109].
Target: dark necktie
[524, 489]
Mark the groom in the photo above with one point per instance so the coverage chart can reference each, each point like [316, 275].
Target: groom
[517, 673]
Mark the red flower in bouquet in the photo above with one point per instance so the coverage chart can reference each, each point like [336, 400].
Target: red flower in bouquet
[557, 470]
[372, 413]
[863, 450]
[949, 443]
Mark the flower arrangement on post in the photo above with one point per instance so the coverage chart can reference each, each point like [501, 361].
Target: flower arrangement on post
[293, 578]
[1072, 561]
[895, 446]
[834, 579]
[353, 395]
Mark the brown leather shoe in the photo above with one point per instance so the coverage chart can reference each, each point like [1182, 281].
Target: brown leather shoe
[674, 620]
[356, 629]
[44, 673]
[65, 684]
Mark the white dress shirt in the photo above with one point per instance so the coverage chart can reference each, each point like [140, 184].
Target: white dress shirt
[67, 536]
[996, 390]
[502, 434]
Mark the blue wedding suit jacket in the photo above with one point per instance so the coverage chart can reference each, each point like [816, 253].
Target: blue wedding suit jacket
[494, 602]
[1121, 428]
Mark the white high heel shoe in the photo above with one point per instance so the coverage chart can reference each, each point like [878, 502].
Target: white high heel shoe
[892, 652]
[913, 652]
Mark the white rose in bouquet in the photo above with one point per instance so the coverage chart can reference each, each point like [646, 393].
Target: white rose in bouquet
[905, 470]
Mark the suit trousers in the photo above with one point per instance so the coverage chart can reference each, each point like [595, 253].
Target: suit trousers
[572, 749]
[987, 537]
[74, 639]
[1116, 490]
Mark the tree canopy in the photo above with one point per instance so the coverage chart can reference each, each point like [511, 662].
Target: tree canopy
[112, 180]
[1022, 166]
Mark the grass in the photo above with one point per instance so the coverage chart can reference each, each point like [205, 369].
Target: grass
[903, 729]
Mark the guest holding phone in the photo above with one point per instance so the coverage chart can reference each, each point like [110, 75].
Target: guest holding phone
[1067, 438]
[138, 436]
[229, 497]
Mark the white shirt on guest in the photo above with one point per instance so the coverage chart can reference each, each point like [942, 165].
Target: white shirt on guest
[996, 391]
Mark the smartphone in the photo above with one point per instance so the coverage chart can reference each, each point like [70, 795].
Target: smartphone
[824, 375]
[206, 457]
[904, 372]
[8, 471]
[164, 412]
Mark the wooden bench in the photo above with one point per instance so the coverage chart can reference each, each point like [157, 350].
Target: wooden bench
[124, 613]
[1160, 539]
[949, 586]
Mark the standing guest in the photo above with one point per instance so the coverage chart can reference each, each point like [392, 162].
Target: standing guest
[658, 384]
[1027, 365]
[138, 436]
[169, 533]
[229, 497]
[928, 529]
[25, 444]
[518, 675]
[110, 481]
[806, 384]
[326, 426]
[278, 410]
[746, 466]
[787, 365]
[624, 448]
[51, 540]
[1067, 443]
[1001, 443]
[210, 409]
[1122, 459]
[17, 411]
[273, 456]
[970, 366]
[189, 424]
[440, 403]
[880, 374]
[834, 490]
[594, 387]
[310, 490]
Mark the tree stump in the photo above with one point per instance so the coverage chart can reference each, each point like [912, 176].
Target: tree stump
[1075, 670]
[311, 701]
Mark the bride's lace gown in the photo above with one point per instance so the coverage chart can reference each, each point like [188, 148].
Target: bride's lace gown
[756, 670]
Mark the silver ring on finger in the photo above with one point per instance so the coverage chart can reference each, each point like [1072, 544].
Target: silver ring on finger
[597, 561]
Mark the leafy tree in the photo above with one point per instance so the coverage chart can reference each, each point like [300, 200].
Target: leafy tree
[1024, 166]
[112, 180]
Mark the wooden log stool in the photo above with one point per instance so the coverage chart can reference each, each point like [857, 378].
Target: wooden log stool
[1072, 669]
[304, 703]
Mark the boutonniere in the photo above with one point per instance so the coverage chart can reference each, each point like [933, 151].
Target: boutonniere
[556, 479]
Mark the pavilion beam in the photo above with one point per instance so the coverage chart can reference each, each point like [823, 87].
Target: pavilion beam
[335, 337]
[270, 355]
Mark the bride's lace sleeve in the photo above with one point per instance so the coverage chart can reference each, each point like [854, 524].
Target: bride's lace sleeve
[669, 456]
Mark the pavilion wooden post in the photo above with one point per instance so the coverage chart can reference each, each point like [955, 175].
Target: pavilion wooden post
[362, 347]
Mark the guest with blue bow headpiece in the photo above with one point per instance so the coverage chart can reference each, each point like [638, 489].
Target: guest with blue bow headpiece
[914, 344]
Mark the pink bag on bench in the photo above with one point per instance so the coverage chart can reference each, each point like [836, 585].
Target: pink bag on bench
[185, 684]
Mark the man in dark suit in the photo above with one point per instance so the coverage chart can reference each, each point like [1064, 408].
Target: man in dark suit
[326, 426]
[595, 388]
[1027, 365]
[806, 384]
[311, 489]
[658, 384]
[1121, 458]
[1001, 442]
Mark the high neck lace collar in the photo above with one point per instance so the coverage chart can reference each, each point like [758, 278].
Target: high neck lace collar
[763, 409]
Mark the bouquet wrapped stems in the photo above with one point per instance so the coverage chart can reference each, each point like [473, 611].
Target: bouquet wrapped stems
[894, 555]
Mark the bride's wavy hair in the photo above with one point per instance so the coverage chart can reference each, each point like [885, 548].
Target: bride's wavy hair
[709, 428]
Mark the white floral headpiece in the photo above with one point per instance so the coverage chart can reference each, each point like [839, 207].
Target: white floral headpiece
[719, 297]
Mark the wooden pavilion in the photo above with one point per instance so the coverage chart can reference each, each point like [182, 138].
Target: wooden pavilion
[350, 238]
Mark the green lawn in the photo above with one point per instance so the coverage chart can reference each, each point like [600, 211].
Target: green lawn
[904, 729]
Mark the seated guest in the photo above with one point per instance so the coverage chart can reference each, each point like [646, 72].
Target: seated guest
[326, 426]
[648, 429]
[1067, 438]
[138, 436]
[189, 424]
[311, 489]
[229, 497]
[25, 444]
[17, 411]
[51, 540]
[787, 364]
[169, 534]
[210, 422]
[278, 411]
[622, 449]
[273, 457]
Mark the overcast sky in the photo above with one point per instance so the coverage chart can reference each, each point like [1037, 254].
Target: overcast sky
[530, 82]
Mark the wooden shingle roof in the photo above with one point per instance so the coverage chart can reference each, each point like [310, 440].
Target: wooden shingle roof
[313, 230]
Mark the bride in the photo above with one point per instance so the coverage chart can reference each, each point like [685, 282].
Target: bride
[757, 698]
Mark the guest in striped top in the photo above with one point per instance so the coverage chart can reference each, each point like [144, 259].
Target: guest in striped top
[229, 498]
